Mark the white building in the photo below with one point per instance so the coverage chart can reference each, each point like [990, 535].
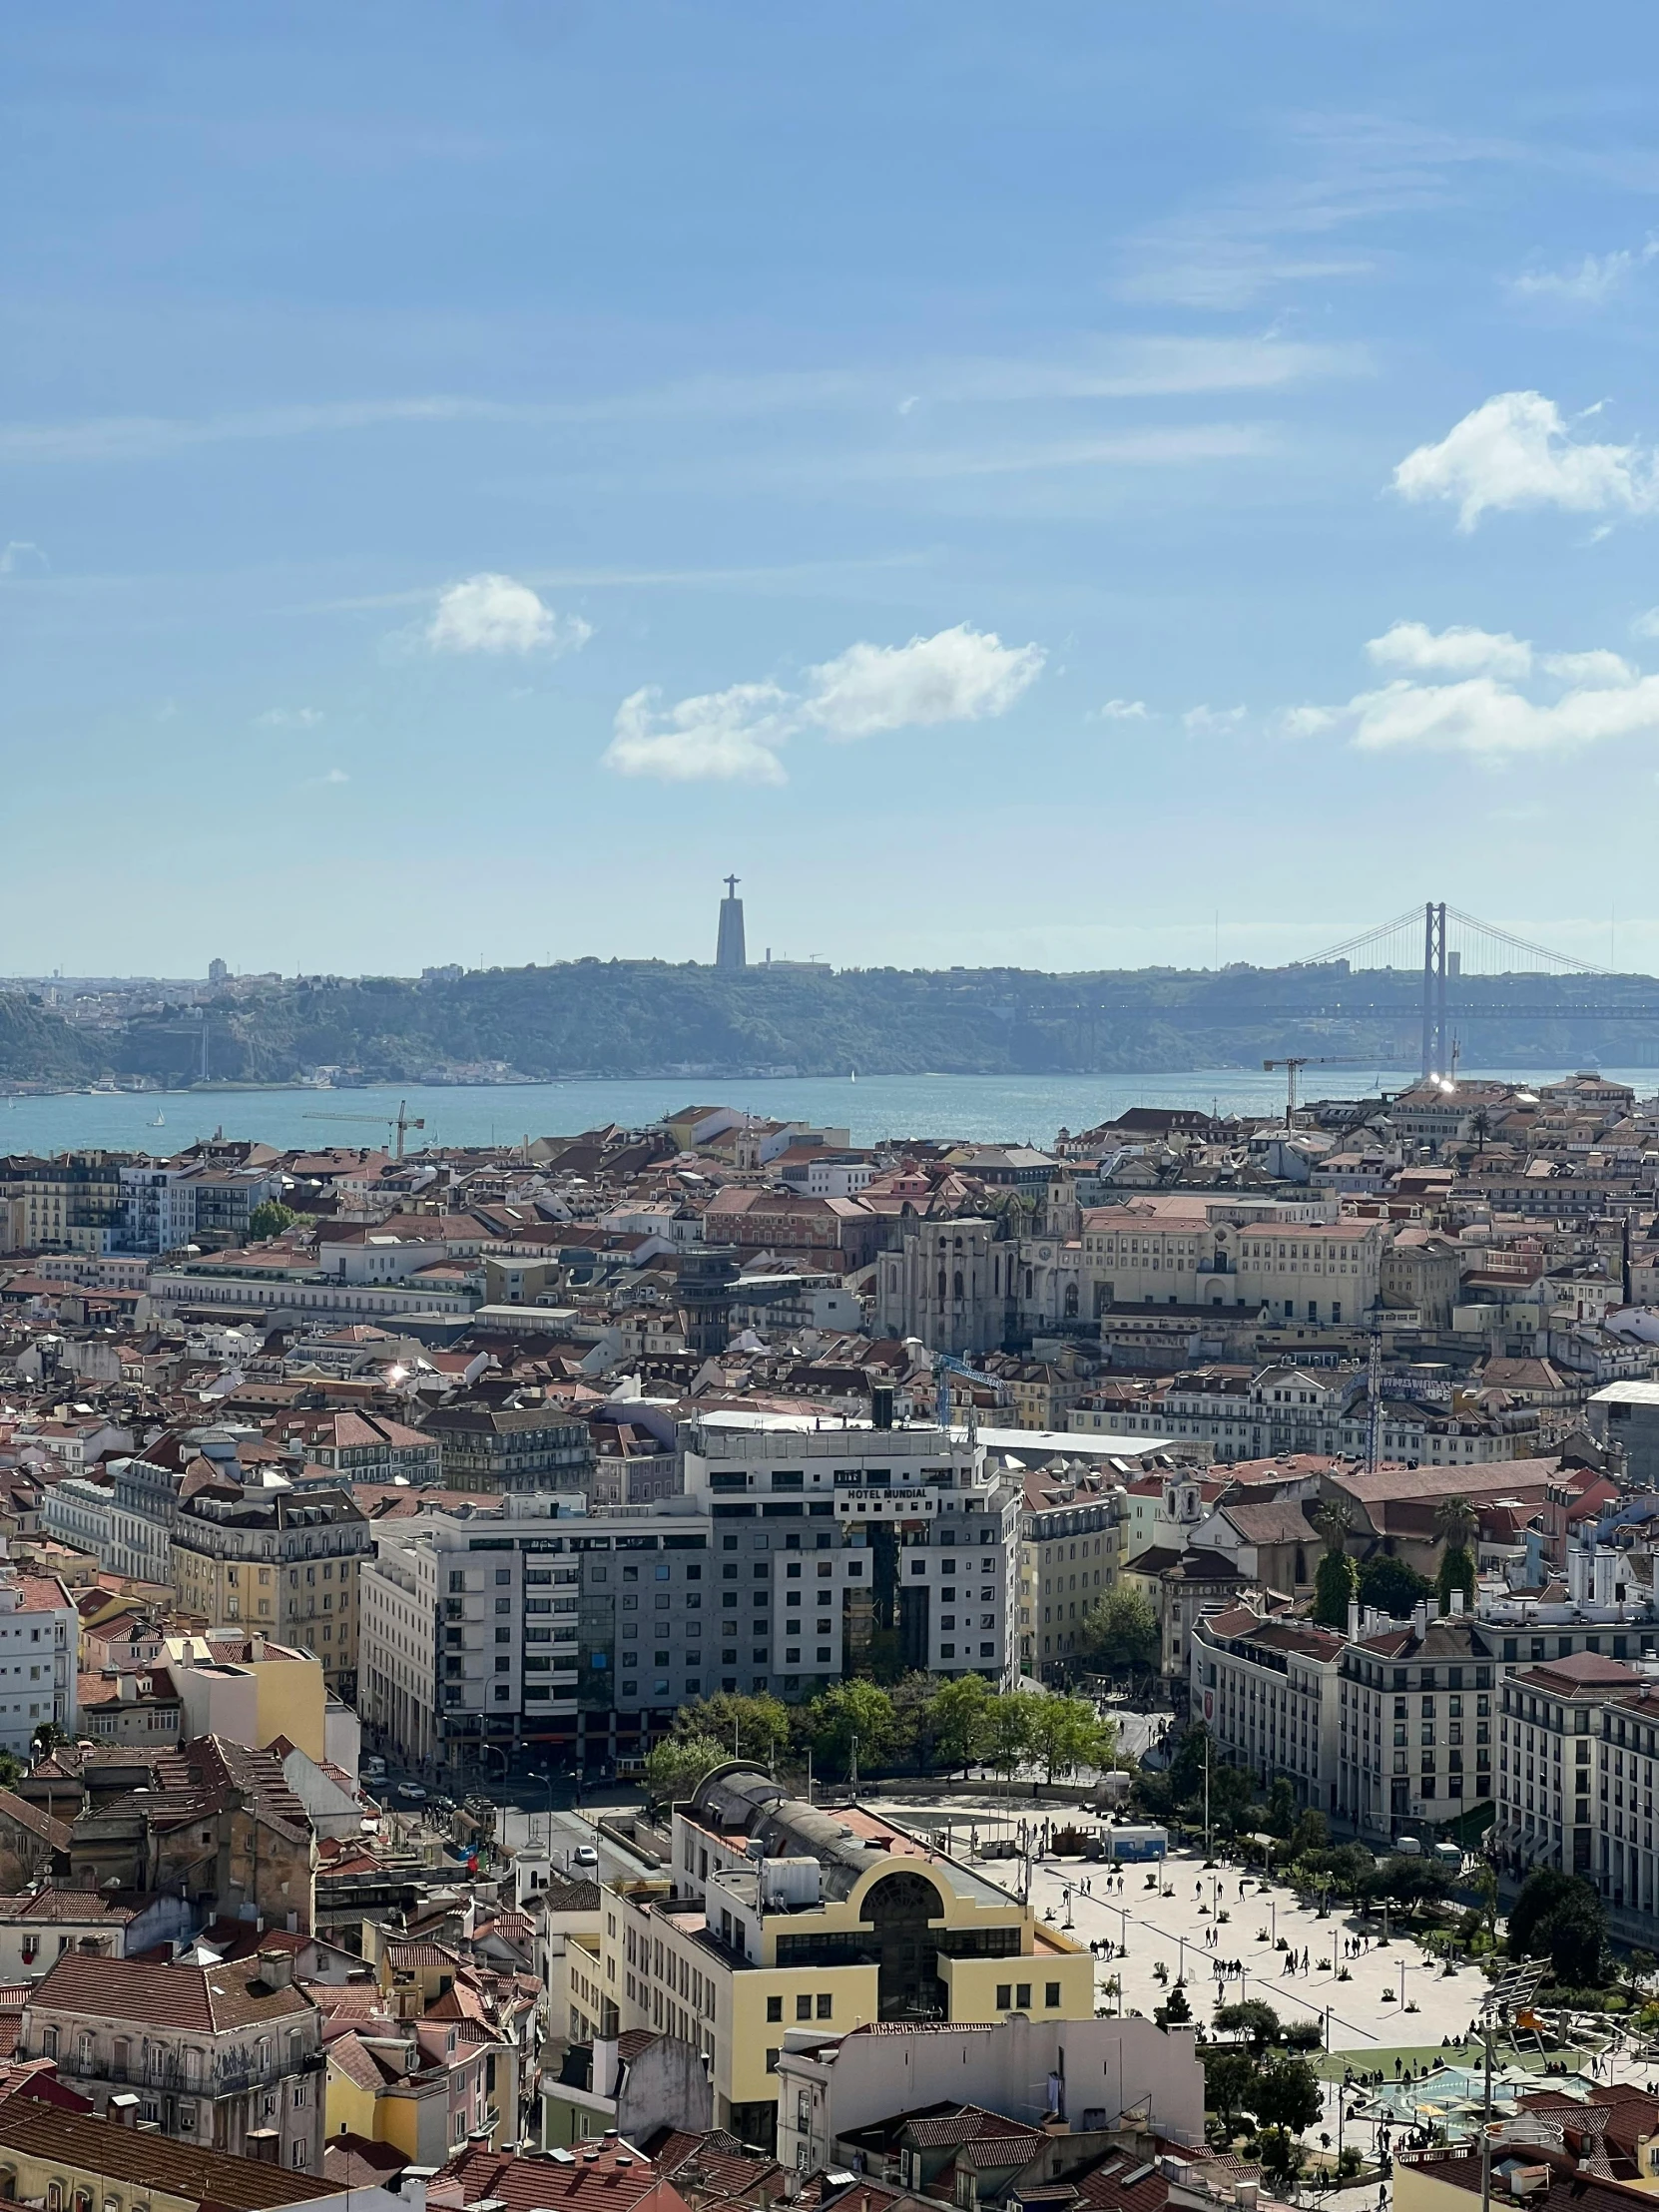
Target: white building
[81, 1513]
[1268, 1693]
[39, 1629]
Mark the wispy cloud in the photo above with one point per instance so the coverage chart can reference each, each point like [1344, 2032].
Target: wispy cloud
[1212, 721]
[737, 735]
[1515, 450]
[290, 718]
[1590, 282]
[1126, 368]
[1121, 710]
[22, 557]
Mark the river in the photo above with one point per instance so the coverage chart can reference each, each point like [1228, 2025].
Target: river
[975, 1108]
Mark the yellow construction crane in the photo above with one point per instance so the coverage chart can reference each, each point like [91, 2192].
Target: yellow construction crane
[1293, 1066]
[401, 1121]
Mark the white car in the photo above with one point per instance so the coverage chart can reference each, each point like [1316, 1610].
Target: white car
[584, 1856]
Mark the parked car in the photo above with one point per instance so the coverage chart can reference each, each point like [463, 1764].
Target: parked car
[412, 1793]
[584, 1856]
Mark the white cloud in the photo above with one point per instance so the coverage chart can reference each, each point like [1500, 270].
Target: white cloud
[1573, 700]
[959, 674]
[1516, 451]
[337, 776]
[1211, 722]
[1591, 285]
[290, 718]
[1455, 652]
[498, 614]
[21, 555]
[723, 737]
[1646, 624]
[1122, 710]
[734, 735]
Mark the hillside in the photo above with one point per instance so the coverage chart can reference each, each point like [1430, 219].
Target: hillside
[643, 1018]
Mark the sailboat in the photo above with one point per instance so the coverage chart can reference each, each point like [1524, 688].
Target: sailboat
[853, 1075]
[159, 1121]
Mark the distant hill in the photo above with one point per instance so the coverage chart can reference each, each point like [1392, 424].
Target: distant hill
[647, 1018]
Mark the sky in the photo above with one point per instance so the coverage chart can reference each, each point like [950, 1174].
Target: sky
[1065, 486]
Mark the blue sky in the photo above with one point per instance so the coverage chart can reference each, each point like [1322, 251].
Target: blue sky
[1013, 484]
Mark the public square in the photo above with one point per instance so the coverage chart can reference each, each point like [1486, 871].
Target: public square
[1375, 2000]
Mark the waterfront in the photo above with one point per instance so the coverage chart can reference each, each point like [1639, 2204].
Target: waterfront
[975, 1108]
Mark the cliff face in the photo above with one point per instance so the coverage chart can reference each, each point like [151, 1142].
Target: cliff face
[645, 1018]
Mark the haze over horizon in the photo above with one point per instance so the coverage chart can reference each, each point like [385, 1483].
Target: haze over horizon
[1071, 491]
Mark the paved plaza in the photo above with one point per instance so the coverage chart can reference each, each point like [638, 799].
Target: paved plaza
[1375, 2001]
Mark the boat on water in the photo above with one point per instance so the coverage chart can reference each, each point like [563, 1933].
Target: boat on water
[157, 1121]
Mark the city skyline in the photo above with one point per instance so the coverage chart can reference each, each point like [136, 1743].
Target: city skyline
[1070, 439]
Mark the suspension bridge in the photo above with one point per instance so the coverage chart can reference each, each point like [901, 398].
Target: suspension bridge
[1440, 945]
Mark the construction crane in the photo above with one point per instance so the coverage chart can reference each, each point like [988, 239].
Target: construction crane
[1296, 1063]
[401, 1121]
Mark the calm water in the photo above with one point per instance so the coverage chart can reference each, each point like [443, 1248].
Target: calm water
[977, 1108]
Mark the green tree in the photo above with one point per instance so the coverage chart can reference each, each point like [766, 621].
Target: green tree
[912, 1696]
[846, 1710]
[1311, 1834]
[1008, 1731]
[1257, 2022]
[1067, 1733]
[1119, 1632]
[1288, 2092]
[1176, 2012]
[1281, 2156]
[750, 1727]
[1409, 1882]
[1229, 2081]
[1392, 1587]
[1560, 1916]
[1337, 1579]
[675, 1766]
[1456, 1521]
[1281, 1813]
[960, 1715]
[268, 1219]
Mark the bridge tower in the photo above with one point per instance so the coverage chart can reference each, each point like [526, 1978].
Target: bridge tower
[1437, 1042]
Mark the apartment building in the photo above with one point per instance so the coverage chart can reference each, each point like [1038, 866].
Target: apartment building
[1068, 1560]
[360, 1446]
[70, 1203]
[798, 1550]
[280, 1562]
[776, 1915]
[1239, 1413]
[514, 1451]
[227, 2057]
[1268, 1693]
[39, 1640]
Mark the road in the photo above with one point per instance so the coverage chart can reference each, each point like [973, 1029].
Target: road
[1137, 1731]
[569, 1832]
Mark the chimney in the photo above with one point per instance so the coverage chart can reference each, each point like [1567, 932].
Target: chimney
[880, 1405]
[122, 2109]
[275, 1966]
[1458, 1596]
[1353, 1620]
[1419, 1616]
[1578, 1574]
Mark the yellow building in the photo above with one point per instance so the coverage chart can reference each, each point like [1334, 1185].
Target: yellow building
[248, 1690]
[267, 1558]
[778, 1914]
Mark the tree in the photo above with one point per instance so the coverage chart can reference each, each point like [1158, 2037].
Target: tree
[677, 1764]
[1281, 2156]
[1229, 2081]
[1392, 1587]
[268, 1219]
[1312, 1833]
[1256, 2021]
[1288, 2092]
[1337, 1579]
[1119, 1632]
[1176, 2012]
[1456, 1521]
[750, 1727]
[1281, 1813]
[1008, 1731]
[1409, 1882]
[1066, 1733]
[846, 1710]
[1559, 1916]
[960, 1715]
